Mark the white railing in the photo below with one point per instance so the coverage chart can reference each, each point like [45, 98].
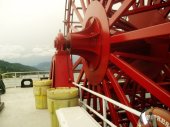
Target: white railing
[105, 100]
[27, 72]
[13, 79]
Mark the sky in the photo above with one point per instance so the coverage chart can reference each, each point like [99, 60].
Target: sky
[28, 29]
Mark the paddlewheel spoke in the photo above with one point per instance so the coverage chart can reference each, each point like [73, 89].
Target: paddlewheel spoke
[158, 30]
[108, 6]
[120, 94]
[112, 108]
[125, 5]
[87, 2]
[142, 80]
[77, 13]
[78, 62]
[83, 6]
[80, 76]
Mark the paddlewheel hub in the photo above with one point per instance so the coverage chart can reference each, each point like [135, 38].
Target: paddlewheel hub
[90, 46]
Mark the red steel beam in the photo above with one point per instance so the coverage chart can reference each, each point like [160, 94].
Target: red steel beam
[101, 1]
[166, 11]
[125, 25]
[77, 63]
[121, 95]
[77, 13]
[142, 57]
[112, 109]
[148, 84]
[108, 5]
[134, 5]
[146, 8]
[148, 32]
[69, 15]
[159, 1]
[141, 2]
[83, 6]
[125, 5]
[80, 76]
[88, 2]
[149, 2]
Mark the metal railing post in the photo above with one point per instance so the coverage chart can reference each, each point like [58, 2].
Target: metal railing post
[104, 112]
[38, 75]
[15, 78]
[80, 92]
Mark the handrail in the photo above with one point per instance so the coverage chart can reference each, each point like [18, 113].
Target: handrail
[131, 110]
[24, 72]
[13, 79]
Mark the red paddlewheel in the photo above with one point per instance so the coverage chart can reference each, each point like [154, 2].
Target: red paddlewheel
[125, 52]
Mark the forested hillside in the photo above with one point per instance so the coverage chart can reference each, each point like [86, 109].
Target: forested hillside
[14, 67]
[45, 66]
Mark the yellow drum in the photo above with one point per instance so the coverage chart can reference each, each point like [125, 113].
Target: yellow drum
[40, 92]
[59, 98]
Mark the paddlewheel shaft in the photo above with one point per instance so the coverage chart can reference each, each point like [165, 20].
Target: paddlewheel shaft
[124, 49]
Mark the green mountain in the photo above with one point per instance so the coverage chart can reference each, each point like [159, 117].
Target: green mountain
[45, 66]
[14, 67]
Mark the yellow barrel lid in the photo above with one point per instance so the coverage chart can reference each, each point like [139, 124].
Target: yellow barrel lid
[42, 82]
[62, 93]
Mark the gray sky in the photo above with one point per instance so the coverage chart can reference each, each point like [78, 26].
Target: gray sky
[28, 29]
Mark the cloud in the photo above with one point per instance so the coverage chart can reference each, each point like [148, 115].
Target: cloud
[37, 50]
[40, 52]
[43, 51]
[11, 51]
[28, 28]
[10, 48]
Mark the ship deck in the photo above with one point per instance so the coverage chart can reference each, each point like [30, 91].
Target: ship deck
[20, 111]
